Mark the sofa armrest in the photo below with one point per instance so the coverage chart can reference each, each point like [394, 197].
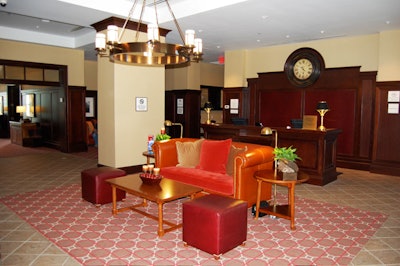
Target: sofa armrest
[245, 165]
[255, 157]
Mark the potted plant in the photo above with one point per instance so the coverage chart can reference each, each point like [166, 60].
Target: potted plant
[162, 137]
[286, 165]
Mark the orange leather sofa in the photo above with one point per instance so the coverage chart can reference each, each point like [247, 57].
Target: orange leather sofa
[243, 186]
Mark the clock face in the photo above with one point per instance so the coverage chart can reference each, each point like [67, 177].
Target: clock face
[303, 69]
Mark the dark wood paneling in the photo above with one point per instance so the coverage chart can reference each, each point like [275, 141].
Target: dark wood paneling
[76, 119]
[349, 94]
[190, 118]
[386, 156]
[341, 114]
[242, 94]
[279, 106]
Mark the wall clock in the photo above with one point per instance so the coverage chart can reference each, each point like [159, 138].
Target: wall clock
[304, 66]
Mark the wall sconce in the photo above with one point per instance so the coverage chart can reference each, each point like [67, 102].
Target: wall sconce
[322, 108]
[168, 123]
[207, 107]
[21, 110]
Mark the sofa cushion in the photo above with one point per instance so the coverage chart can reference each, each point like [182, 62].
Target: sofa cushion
[231, 158]
[210, 181]
[214, 155]
[188, 153]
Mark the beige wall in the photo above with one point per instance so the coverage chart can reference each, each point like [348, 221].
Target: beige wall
[196, 74]
[21, 51]
[389, 56]
[211, 75]
[123, 131]
[377, 52]
[91, 75]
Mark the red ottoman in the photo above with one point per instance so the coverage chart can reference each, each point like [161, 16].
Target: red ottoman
[94, 187]
[214, 224]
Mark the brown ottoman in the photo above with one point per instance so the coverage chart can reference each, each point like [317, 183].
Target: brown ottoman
[214, 224]
[94, 187]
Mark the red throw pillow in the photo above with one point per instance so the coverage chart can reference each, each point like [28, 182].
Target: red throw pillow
[214, 155]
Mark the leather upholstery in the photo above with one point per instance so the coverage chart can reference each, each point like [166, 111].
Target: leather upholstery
[89, 132]
[94, 187]
[214, 224]
[257, 157]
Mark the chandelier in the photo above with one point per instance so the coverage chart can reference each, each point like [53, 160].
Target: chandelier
[152, 52]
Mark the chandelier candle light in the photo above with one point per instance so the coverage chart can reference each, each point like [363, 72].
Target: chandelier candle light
[152, 52]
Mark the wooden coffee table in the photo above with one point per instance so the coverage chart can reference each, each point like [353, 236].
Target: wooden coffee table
[168, 190]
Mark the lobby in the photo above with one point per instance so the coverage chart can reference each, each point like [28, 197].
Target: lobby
[124, 130]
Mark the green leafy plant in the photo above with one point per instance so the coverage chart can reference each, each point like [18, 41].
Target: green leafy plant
[287, 154]
[162, 137]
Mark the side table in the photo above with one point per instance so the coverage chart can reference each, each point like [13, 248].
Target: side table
[282, 211]
[148, 155]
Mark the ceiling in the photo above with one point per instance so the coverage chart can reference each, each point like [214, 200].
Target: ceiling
[222, 24]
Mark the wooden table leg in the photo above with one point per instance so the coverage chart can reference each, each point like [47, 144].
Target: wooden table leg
[114, 200]
[258, 198]
[160, 219]
[291, 205]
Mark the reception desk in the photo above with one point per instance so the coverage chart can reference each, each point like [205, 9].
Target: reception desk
[316, 148]
[24, 134]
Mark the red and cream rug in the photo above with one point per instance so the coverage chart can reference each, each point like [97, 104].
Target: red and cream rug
[326, 234]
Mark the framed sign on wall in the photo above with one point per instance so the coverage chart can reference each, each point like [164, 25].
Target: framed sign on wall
[141, 104]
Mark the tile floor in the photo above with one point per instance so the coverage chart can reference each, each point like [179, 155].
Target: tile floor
[20, 244]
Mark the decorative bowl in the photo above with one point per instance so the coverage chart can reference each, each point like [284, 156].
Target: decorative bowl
[150, 179]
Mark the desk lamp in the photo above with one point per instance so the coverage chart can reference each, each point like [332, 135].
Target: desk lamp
[268, 131]
[168, 123]
[207, 107]
[322, 108]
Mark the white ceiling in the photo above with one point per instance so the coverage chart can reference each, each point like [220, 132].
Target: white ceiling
[222, 24]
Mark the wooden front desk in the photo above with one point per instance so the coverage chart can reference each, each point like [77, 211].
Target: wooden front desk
[316, 148]
[24, 134]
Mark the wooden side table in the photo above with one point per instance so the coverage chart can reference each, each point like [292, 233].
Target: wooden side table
[282, 211]
[148, 155]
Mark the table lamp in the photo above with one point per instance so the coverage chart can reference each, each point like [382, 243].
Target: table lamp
[322, 108]
[168, 123]
[21, 110]
[207, 107]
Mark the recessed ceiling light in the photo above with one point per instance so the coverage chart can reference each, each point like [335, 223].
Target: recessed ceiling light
[388, 22]
[218, 46]
[258, 40]
[264, 17]
[45, 20]
[322, 31]
[287, 36]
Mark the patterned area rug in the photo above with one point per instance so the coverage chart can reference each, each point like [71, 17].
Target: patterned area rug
[325, 234]
[8, 149]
